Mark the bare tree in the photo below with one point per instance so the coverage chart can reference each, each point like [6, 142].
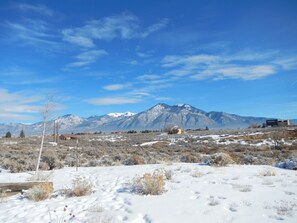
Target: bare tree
[48, 107]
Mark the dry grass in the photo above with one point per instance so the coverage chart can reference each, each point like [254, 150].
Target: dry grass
[39, 192]
[149, 184]
[80, 187]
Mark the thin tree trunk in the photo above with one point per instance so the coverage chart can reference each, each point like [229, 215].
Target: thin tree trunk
[41, 146]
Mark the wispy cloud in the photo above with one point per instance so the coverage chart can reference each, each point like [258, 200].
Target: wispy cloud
[289, 63]
[245, 65]
[236, 72]
[31, 32]
[123, 26]
[20, 76]
[114, 87]
[189, 61]
[41, 9]
[86, 58]
[113, 101]
[146, 77]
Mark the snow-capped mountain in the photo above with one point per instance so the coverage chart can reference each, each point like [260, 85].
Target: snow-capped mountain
[116, 114]
[155, 118]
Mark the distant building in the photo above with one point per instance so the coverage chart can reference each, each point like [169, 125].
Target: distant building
[176, 130]
[283, 123]
[68, 137]
[277, 123]
[271, 123]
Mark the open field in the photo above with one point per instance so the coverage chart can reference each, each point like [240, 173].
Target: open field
[261, 147]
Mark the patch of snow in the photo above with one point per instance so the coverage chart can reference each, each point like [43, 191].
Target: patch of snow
[196, 192]
[117, 114]
[149, 143]
[109, 138]
[10, 143]
[53, 143]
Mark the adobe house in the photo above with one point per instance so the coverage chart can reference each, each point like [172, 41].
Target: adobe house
[68, 137]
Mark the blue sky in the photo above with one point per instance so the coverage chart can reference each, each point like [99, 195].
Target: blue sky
[96, 57]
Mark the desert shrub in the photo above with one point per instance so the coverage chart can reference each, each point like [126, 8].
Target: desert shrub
[189, 158]
[13, 166]
[80, 187]
[51, 158]
[221, 159]
[149, 184]
[43, 166]
[17, 166]
[40, 192]
[160, 145]
[134, 160]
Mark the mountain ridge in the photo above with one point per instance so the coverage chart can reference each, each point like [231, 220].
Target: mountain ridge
[155, 118]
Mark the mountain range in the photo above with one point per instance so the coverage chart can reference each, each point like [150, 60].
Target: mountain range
[155, 118]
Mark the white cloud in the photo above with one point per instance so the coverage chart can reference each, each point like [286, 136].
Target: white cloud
[17, 105]
[113, 101]
[41, 9]
[114, 87]
[87, 57]
[124, 26]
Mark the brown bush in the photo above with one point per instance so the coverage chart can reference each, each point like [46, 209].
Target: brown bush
[134, 160]
[40, 192]
[50, 157]
[221, 159]
[149, 184]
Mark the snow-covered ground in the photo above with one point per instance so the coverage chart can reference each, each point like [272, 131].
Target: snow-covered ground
[195, 193]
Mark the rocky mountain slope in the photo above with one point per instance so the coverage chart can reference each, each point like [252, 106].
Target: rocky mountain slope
[155, 118]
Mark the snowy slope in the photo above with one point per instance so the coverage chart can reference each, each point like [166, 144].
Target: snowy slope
[240, 194]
